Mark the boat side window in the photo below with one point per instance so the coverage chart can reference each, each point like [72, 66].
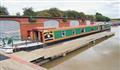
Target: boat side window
[82, 30]
[92, 29]
[97, 27]
[73, 31]
[63, 33]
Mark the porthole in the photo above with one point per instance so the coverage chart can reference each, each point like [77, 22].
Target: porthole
[74, 32]
[82, 30]
[63, 33]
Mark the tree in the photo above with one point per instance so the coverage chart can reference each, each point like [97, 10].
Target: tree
[82, 15]
[71, 14]
[74, 14]
[18, 14]
[108, 19]
[100, 17]
[3, 11]
[90, 17]
[28, 12]
[54, 12]
[43, 13]
[99, 14]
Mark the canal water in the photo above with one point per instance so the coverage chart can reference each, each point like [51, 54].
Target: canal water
[105, 55]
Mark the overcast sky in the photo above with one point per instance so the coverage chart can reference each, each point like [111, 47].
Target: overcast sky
[110, 8]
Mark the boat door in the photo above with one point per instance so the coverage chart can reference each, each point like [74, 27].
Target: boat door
[37, 36]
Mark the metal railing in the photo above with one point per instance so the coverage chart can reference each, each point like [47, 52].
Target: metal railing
[8, 41]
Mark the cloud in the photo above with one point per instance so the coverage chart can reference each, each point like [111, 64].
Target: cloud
[108, 8]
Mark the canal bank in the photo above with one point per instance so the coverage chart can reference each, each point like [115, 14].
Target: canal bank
[103, 56]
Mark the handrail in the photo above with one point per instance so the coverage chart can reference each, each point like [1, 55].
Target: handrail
[8, 41]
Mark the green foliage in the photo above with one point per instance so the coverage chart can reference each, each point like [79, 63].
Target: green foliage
[54, 12]
[82, 15]
[117, 19]
[99, 14]
[43, 13]
[90, 17]
[71, 14]
[108, 19]
[3, 11]
[18, 14]
[100, 17]
[28, 12]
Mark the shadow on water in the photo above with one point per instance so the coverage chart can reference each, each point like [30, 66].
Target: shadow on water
[60, 60]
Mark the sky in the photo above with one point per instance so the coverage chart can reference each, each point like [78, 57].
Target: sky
[110, 8]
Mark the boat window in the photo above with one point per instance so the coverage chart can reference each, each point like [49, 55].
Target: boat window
[63, 33]
[82, 30]
[74, 32]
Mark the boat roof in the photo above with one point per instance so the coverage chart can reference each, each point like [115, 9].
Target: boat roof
[60, 28]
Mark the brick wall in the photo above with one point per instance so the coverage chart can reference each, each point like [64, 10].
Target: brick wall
[20, 20]
[25, 25]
